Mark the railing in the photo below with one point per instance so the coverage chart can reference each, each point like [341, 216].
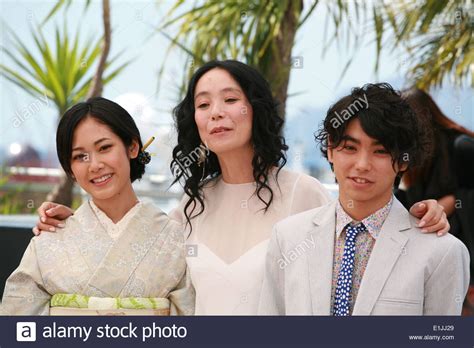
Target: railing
[154, 187]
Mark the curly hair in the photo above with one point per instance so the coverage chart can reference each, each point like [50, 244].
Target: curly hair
[387, 118]
[268, 143]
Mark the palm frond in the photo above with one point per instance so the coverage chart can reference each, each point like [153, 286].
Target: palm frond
[250, 31]
[63, 72]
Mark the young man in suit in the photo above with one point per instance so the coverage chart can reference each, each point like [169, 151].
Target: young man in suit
[363, 254]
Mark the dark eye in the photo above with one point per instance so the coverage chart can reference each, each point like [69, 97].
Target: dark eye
[203, 106]
[105, 147]
[349, 147]
[382, 151]
[231, 100]
[80, 157]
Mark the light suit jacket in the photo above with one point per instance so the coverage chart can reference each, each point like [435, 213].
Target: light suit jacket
[408, 273]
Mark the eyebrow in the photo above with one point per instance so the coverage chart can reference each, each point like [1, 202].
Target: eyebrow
[95, 143]
[227, 89]
[357, 141]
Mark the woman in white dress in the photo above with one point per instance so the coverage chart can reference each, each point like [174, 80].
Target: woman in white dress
[229, 159]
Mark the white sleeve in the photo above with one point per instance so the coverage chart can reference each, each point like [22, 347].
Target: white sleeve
[308, 193]
[25, 293]
[447, 286]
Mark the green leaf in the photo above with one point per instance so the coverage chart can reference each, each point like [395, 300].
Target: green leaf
[64, 72]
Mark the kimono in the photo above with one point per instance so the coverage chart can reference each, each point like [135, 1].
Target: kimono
[83, 259]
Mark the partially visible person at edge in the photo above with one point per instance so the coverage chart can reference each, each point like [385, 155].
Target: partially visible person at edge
[447, 176]
[237, 188]
[116, 255]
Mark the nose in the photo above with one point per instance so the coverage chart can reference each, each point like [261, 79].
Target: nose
[363, 161]
[217, 112]
[95, 164]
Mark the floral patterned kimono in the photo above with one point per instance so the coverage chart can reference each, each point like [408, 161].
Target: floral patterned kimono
[93, 266]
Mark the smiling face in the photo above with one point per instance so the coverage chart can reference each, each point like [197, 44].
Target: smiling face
[363, 169]
[223, 114]
[100, 162]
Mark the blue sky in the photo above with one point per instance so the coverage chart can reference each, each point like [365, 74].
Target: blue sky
[316, 83]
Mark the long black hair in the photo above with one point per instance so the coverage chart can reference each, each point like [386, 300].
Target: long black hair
[107, 112]
[441, 129]
[268, 143]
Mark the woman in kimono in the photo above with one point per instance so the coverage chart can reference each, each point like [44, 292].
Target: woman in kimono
[229, 158]
[115, 255]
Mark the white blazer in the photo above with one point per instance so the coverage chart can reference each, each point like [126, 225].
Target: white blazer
[408, 273]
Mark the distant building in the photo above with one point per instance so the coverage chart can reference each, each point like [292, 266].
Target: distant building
[25, 165]
[23, 156]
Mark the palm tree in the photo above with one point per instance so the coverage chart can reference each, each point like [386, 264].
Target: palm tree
[97, 85]
[439, 36]
[63, 76]
[62, 193]
[262, 33]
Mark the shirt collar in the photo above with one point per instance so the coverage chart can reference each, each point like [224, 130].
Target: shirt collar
[373, 222]
[107, 223]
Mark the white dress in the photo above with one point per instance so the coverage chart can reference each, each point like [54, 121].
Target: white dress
[228, 243]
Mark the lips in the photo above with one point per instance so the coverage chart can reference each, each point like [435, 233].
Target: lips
[360, 180]
[216, 130]
[101, 180]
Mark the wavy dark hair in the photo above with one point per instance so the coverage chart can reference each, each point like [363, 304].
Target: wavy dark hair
[388, 119]
[268, 143]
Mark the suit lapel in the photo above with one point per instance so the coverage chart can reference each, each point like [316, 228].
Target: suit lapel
[320, 260]
[386, 251]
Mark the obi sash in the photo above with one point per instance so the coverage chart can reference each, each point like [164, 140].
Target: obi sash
[76, 304]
